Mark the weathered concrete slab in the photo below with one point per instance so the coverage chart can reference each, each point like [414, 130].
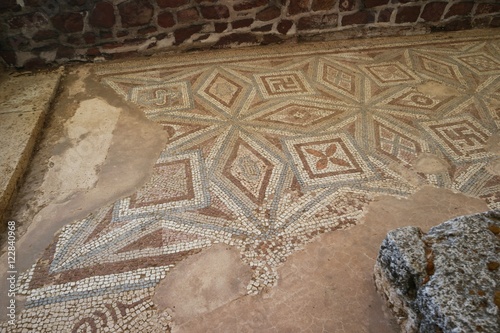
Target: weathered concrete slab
[445, 280]
[24, 101]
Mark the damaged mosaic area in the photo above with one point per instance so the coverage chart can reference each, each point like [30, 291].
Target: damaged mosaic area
[264, 153]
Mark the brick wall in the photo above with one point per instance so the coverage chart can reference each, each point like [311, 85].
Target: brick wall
[37, 32]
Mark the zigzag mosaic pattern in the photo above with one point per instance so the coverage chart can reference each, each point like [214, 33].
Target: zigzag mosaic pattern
[264, 153]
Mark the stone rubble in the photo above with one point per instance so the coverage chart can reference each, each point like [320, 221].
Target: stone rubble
[445, 280]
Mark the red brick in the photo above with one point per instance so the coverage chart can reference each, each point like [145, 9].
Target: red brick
[147, 30]
[220, 26]
[74, 40]
[238, 38]
[242, 23]
[187, 15]
[185, 33]
[166, 20]
[459, 24]
[408, 14]
[68, 22]
[93, 52]
[135, 13]
[89, 37]
[122, 33]
[45, 34]
[385, 15]
[102, 15]
[76, 2]
[322, 4]
[249, 4]
[461, 8]
[171, 3]
[264, 28]
[432, 11]
[375, 3]
[9, 5]
[8, 56]
[347, 5]
[495, 22]
[65, 52]
[487, 8]
[268, 14]
[215, 12]
[105, 34]
[298, 6]
[284, 26]
[481, 22]
[35, 63]
[358, 18]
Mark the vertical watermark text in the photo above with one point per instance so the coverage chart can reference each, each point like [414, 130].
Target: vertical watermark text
[11, 272]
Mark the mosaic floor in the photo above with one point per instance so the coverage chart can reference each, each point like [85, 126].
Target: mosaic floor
[265, 152]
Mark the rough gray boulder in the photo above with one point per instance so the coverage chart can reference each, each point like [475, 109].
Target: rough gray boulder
[447, 280]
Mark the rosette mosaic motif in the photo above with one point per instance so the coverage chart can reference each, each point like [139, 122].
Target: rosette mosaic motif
[265, 152]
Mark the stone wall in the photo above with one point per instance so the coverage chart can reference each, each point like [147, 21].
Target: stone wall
[37, 32]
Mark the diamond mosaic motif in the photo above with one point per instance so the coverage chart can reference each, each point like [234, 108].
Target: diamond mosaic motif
[263, 153]
[481, 63]
[327, 160]
[163, 97]
[301, 114]
[462, 139]
[389, 74]
[282, 84]
[339, 79]
[249, 171]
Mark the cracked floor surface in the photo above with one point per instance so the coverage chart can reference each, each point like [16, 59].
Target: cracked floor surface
[249, 190]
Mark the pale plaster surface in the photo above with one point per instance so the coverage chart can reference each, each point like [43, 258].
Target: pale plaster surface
[24, 102]
[328, 286]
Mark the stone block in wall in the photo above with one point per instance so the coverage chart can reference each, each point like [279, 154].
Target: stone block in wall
[135, 13]
[268, 14]
[284, 26]
[323, 4]
[10, 5]
[249, 4]
[214, 12]
[30, 20]
[408, 14]
[171, 3]
[347, 5]
[220, 26]
[166, 20]
[188, 15]
[68, 22]
[362, 17]
[317, 22]
[385, 15]
[242, 23]
[102, 15]
[298, 6]
[183, 34]
[44, 35]
[76, 2]
[375, 3]
[236, 39]
[264, 28]
[487, 8]
[433, 11]
[460, 8]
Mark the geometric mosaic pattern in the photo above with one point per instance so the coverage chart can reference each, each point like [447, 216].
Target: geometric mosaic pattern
[264, 153]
